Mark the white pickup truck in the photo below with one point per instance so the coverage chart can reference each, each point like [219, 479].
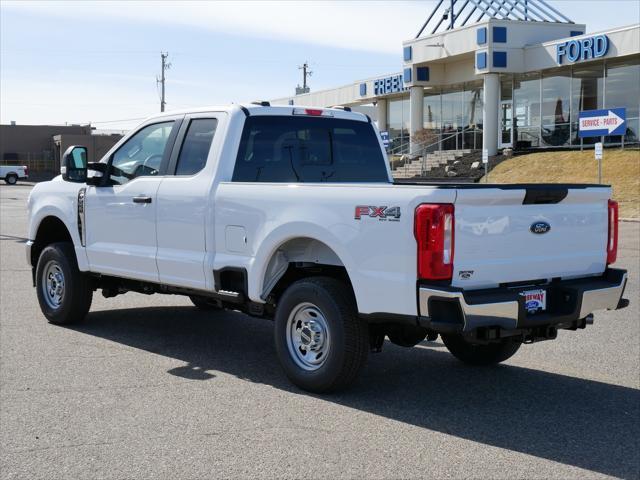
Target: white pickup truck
[291, 213]
[12, 173]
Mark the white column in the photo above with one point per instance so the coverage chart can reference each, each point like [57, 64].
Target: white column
[490, 115]
[381, 107]
[416, 122]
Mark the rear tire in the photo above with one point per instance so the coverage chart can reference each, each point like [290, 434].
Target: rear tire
[11, 179]
[64, 292]
[321, 341]
[489, 354]
[204, 303]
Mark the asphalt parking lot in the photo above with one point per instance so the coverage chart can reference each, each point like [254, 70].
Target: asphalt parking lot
[149, 387]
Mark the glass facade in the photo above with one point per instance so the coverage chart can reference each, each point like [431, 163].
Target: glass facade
[542, 109]
[472, 108]
[556, 107]
[587, 93]
[538, 109]
[526, 110]
[454, 115]
[398, 123]
[622, 89]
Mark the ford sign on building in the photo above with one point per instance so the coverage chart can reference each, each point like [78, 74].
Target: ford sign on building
[479, 75]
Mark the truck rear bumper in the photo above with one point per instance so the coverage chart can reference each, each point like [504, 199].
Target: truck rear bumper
[449, 310]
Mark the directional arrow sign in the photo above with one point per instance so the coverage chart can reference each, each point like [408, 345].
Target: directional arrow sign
[595, 123]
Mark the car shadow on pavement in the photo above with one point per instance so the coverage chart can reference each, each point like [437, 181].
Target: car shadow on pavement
[584, 423]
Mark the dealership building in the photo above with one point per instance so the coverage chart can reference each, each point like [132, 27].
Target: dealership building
[494, 74]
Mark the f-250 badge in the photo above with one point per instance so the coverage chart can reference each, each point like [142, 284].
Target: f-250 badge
[381, 213]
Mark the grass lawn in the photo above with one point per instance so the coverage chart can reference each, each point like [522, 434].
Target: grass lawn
[620, 169]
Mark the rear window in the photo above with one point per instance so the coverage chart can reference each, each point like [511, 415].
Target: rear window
[303, 149]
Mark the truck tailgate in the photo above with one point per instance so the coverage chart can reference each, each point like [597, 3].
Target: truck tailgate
[500, 238]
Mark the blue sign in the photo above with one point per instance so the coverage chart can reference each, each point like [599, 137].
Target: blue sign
[582, 49]
[596, 123]
[392, 84]
[385, 139]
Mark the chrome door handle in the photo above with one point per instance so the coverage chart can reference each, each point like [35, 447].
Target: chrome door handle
[141, 199]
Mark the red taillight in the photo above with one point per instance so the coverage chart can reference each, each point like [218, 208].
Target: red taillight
[433, 229]
[612, 239]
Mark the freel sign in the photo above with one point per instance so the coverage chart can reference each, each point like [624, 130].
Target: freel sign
[392, 84]
[596, 123]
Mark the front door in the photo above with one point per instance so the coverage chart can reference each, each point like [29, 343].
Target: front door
[120, 215]
[506, 123]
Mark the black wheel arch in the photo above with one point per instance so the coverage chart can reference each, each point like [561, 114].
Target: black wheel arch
[50, 230]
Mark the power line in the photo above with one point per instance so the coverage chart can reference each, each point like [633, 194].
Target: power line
[120, 120]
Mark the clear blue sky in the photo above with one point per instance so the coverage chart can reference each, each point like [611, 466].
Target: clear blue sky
[97, 61]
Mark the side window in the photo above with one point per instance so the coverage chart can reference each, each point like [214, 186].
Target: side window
[196, 145]
[141, 154]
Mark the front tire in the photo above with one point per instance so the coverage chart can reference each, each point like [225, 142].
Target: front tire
[64, 293]
[11, 179]
[481, 355]
[320, 340]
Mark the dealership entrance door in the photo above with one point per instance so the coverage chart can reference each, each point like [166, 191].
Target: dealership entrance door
[506, 124]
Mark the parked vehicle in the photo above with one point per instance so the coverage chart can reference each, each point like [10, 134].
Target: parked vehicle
[291, 213]
[13, 173]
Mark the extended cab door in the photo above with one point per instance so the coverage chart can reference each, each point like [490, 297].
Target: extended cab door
[120, 215]
[185, 207]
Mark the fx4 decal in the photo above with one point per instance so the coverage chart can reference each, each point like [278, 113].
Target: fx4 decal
[381, 213]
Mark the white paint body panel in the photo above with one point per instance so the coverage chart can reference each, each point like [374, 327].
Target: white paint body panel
[492, 236]
[121, 235]
[380, 256]
[59, 199]
[205, 222]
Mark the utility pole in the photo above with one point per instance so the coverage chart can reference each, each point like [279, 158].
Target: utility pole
[305, 73]
[165, 66]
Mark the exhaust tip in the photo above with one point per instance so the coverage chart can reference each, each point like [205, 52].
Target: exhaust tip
[589, 319]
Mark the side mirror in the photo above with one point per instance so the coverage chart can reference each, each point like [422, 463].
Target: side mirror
[98, 173]
[73, 166]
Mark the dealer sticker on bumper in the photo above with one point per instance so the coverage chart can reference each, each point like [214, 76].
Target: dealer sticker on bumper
[535, 300]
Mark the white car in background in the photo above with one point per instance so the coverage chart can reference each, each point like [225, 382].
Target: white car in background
[13, 173]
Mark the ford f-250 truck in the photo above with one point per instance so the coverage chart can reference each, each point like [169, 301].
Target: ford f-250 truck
[291, 213]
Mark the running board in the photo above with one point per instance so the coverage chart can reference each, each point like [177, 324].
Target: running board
[228, 296]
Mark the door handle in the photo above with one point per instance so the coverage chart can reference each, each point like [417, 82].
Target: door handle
[141, 199]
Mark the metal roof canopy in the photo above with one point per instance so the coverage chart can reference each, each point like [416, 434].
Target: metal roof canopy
[523, 10]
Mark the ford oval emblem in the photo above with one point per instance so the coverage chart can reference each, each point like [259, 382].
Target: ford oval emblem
[539, 228]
